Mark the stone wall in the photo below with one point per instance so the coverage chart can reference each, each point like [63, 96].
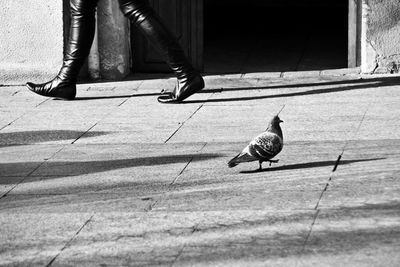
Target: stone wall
[113, 41]
[381, 36]
[109, 57]
[31, 34]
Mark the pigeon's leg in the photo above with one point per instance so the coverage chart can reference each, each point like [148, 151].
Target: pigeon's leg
[260, 168]
[273, 161]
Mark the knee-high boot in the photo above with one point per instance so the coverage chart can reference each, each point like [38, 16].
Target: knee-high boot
[82, 29]
[150, 24]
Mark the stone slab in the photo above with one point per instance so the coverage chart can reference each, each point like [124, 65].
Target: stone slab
[139, 109]
[124, 159]
[236, 197]
[298, 89]
[301, 166]
[9, 183]
[355, 236]
[371, 179]
[177, 203]
[159, 238]
[341, 72]
[22, 160]
[149, 183]
[75, 203]
[311, 123]
[262, 75]
[29, 239]
[13, 137]
[130, 133]
[301, 74]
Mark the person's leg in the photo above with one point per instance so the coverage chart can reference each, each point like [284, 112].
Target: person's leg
[150, 24]
[81, 35]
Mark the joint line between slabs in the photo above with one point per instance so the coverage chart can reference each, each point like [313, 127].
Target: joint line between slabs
[44, 101]
[88, 130]
[184, 168]
[311, 229]
[30, 174]
[357, 130]
[70, 241]
[337, 163]
[175, 132]
[195, 228]
[331, 178]
[183, 123]
[137, 88]
[12, 121]
[17, 92]
[187, 165]
[79, 137]
[152, 205]
[37, 105]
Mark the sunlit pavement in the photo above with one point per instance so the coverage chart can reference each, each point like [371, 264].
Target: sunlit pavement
[116, 178]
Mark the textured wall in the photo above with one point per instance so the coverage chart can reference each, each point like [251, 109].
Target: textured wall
[31, 39]
[31, 34]
[113, 41]
[381, 40]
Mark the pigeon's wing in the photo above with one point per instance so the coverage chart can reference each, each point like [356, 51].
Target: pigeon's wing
[243, 156]
[265, 146]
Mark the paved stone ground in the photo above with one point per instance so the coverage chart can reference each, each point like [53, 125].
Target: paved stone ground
[116, 178]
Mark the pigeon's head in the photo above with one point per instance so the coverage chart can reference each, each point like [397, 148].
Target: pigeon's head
[274, 126]
[276, 120]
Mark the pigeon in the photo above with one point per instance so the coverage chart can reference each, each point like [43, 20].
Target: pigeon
[263, 147]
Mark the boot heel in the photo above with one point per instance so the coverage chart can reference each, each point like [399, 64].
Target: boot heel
[189, 88]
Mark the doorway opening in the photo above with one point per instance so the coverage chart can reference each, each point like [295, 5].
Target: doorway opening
[275, 36]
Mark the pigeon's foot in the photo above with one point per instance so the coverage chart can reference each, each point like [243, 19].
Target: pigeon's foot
[273, 161]
[260, 167]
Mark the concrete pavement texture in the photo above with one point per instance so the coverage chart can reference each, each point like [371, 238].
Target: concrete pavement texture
[116, 179]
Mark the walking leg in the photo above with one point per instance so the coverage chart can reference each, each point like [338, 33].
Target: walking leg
[150, 24]
[81, 34]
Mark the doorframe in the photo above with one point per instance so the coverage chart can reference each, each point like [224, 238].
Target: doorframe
[197, 54]
[354, 34]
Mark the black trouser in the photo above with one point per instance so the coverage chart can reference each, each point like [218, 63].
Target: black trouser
[141, 14]
[81, 37]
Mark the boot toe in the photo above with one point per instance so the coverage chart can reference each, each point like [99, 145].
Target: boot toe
[30, 86]
[58, 92]
[182, 93]
[167, 98]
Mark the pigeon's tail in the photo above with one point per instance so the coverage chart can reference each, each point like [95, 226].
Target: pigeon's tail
[241, 157]
[233, 162]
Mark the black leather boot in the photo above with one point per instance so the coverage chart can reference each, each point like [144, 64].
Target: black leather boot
[82, 29]
[150, 24]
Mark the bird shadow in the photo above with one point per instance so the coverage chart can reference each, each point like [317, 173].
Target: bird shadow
[308, 165]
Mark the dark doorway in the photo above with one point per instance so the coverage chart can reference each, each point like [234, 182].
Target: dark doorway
[268, 36]
[184, 18]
